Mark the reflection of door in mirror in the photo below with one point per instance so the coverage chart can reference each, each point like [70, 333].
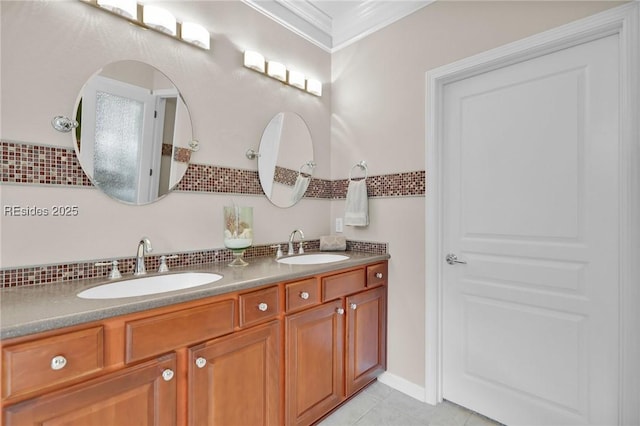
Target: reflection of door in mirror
[128, 129]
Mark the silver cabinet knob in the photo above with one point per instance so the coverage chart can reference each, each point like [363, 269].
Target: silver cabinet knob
[353, 306]
[340, 311]
[379, 275]
[304, 295]
[201, 362]
[167, 374]
[452, 259]
[263, 307]
[58, 362]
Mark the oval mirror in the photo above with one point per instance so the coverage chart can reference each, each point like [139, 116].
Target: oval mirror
[134, 132]
[285, 161]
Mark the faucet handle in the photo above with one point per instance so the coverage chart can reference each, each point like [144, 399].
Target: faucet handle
[114, 273]
[301, 249]
[279, 252]
[163, 262]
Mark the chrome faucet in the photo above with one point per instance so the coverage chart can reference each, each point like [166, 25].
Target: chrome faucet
[290, 252]
[144, 246]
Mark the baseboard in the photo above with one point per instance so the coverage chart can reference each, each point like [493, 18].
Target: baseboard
[403, 385]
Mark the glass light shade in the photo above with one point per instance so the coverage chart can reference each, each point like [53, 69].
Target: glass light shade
[254, 60]
[126, 8]
[195, 34]
[277, 70]
[314, 87]
[296, 79]
[159, 19]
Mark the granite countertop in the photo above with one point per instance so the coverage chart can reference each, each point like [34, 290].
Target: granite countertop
[32, 309]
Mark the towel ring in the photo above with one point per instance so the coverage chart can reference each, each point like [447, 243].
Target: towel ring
[311, 165]
[361, 165]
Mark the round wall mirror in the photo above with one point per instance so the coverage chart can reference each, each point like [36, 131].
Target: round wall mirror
[134, 132]
[285, 161]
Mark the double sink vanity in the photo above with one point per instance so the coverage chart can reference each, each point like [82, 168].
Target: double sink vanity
[276, 342]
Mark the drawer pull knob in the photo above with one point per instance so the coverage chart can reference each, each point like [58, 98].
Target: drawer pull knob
[263, 307]
[304, 295]
[167, 374]
[201, 362]
[379, 275]
[340, 311]
[353, 306]
[58, 362]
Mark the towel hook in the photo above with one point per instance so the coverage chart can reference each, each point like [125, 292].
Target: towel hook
[361, 165]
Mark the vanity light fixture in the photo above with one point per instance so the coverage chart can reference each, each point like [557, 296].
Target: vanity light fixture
[126, 8]
[296, 79]
[277, 70]
[157, 19]
[314, 87]
[255, 61]
[195, 34]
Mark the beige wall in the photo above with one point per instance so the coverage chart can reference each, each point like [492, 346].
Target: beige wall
[50, 48]
[378, 115]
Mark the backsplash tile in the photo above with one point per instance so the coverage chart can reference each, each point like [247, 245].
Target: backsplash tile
[59, 273]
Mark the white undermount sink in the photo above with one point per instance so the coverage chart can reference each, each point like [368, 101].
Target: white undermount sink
[149, 285]
[313, 259]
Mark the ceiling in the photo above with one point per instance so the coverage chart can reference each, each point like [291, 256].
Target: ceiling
[333, 24]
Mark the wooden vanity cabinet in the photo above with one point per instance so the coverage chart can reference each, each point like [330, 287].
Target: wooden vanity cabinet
[235, 380]
[366, 347]
[287, 353]
[35, 365]
[314, 362]
[141, 395]
[335, 349]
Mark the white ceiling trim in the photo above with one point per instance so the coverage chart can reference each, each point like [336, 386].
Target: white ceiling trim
[333, 33]
[283, 15]
[369, 17]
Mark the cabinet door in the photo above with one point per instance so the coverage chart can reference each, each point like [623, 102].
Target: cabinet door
[366, 338]
[138, 395]
[314, 362]
[235, 380]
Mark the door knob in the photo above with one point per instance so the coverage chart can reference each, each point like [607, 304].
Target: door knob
[452, 259]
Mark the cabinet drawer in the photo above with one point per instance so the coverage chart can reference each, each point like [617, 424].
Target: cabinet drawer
[342, 284]
[163, 333]
[41, 363]
[377, 274]
[259, 306]
[302, 294]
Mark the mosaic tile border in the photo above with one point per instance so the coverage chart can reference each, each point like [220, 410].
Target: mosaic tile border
[59, 273]
[40, 164]
[24, 163]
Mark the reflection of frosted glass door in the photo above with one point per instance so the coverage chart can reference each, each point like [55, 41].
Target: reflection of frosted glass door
[117, 147]
[119, 125]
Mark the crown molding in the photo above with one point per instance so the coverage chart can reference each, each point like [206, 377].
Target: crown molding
[333, 33]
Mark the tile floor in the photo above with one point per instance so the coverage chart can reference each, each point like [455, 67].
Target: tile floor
[380, 405]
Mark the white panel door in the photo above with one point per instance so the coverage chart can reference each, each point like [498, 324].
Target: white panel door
[531, 330]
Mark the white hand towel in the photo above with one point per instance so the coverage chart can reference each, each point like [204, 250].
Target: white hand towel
[357, 206]
[299, 188]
